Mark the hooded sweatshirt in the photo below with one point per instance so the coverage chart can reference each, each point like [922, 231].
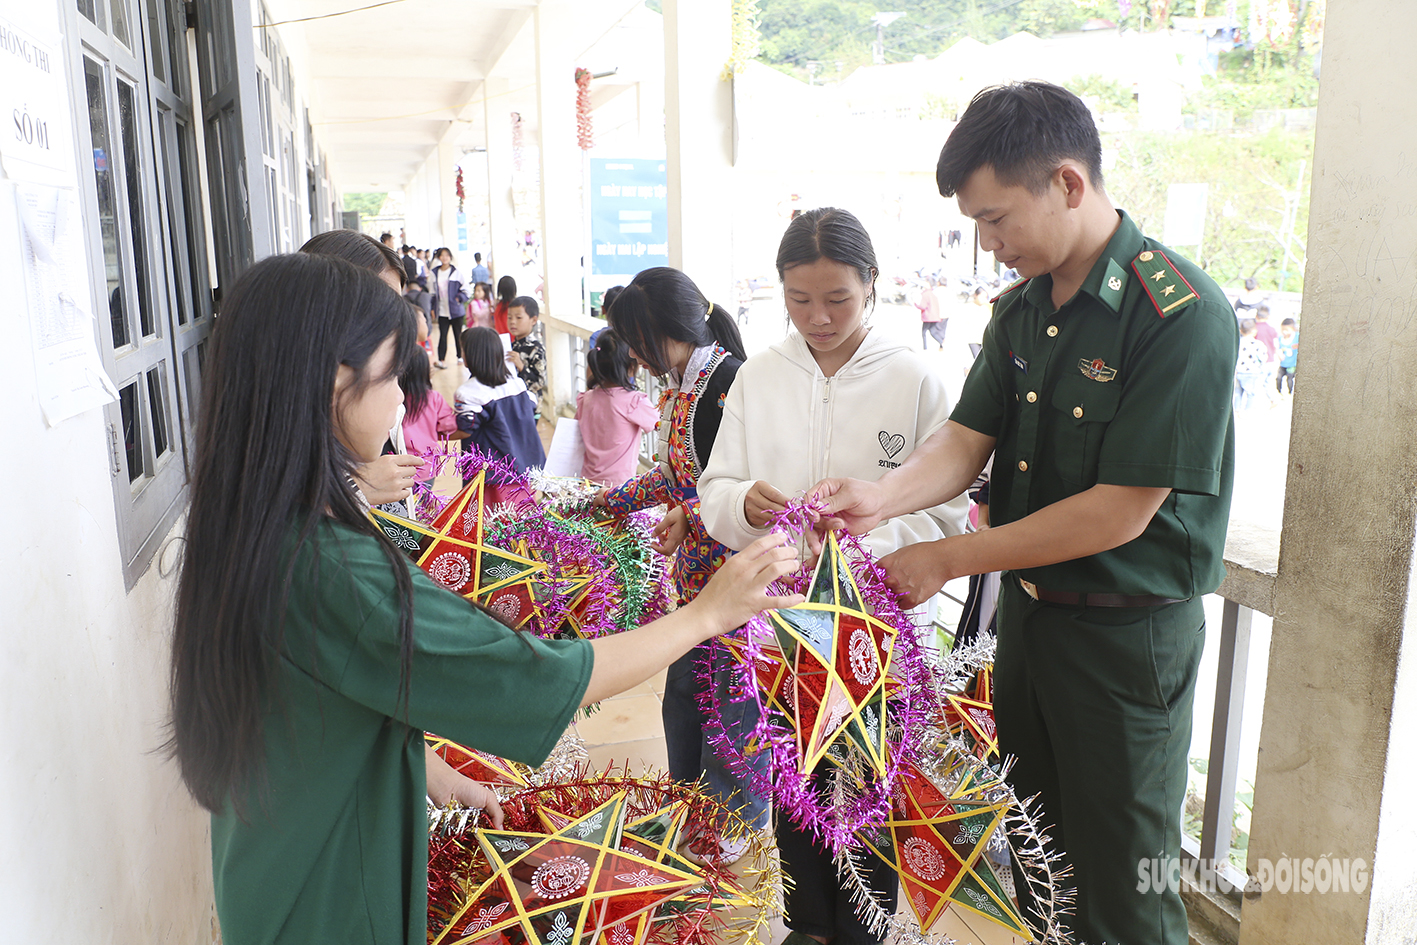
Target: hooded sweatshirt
[786, 423]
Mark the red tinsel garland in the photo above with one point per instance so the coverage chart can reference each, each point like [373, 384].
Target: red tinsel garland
[585, 133]
[460, 192]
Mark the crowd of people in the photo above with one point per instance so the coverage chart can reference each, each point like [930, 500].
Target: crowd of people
[310, 655]
[1269, 358]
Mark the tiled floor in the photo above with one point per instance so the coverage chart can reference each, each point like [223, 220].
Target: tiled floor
[628, 731]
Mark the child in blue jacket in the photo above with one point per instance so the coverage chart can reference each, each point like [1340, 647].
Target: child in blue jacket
[493, 405]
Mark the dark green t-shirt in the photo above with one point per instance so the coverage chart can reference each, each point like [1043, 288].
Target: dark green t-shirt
[339, 850]
[1106, 389]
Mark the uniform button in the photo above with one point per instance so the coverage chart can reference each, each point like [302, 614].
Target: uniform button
[1052, 331]
[1023, 465]
[1032, 397]
[1077, 412]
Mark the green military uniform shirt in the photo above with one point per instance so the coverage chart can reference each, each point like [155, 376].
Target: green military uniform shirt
[1129, 383]
[336, 848]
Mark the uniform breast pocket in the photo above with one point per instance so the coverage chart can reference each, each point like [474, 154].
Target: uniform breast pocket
[1083, 408]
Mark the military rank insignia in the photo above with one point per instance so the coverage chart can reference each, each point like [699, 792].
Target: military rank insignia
[1010, 288]
[1168, 289]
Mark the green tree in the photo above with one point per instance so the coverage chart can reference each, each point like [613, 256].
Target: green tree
[1257, 204]
[368, 204]
[795, 33]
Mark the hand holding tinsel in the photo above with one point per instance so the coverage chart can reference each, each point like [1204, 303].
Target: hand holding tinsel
[850, 626]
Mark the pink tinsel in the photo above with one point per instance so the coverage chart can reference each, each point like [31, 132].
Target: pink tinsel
[836, 818]
[570, 544]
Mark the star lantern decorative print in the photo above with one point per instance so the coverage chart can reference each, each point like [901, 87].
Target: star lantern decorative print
[828, 669]
[594, 861]
[452, 551]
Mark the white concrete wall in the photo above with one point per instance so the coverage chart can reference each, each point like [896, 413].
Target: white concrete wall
[1337, 755]
[100, 840]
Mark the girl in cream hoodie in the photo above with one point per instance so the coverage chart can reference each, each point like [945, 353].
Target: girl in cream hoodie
[833, 399]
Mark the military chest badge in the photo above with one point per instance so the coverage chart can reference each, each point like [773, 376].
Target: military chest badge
[1096, 369]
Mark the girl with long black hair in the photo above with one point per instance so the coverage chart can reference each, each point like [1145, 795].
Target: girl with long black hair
[693, 343]
[386, 482]
[309, 653]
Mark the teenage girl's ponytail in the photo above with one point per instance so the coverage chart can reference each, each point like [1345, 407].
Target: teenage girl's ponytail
[725, 331]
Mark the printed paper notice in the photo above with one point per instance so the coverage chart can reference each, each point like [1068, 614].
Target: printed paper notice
[35, 142]
[567, 453]
[69, 374]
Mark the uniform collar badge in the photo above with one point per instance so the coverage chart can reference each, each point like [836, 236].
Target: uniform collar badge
[1096, 369]
[1114, 283]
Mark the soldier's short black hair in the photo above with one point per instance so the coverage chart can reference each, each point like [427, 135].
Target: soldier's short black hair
[1022, 130]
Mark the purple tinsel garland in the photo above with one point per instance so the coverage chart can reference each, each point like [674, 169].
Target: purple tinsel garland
[835, 819]
[568, 543]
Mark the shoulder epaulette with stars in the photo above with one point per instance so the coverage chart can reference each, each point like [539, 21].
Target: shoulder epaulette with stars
[1006, 291]
[1168, 289]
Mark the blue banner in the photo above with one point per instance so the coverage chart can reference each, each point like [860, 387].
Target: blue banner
[629, 219]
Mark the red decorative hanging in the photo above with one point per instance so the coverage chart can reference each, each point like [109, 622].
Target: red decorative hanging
[461, 193]
[517, 140]
[585, 133]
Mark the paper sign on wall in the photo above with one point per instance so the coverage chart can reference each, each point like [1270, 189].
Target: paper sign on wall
[69, 376]
[35, 142]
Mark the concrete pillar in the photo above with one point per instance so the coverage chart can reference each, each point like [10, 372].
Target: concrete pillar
[502, 254]
[1338, 759]
[562, 228]
[698, 134]
[446, 157]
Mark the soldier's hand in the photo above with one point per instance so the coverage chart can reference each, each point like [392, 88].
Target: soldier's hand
[917, 572]
[852, 504]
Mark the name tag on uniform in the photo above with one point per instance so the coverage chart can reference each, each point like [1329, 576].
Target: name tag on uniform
[1019, 362]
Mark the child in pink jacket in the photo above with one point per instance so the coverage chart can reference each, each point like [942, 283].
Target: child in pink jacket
[427, 418]
[612, 414]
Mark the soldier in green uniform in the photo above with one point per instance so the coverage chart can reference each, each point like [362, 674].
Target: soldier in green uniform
[1103, 391]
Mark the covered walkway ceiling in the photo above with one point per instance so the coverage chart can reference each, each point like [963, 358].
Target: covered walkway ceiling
[387, 82]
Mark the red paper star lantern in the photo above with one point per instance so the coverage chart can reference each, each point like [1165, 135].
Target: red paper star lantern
[452, 551]
[570, 887]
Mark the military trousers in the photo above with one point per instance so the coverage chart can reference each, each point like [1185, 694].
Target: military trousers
[1095, 704]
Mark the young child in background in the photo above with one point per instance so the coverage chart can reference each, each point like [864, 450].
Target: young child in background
[1251, 370]
[528, 353]
[427, 418]
[1288, 355]
[479, 307]
[612, 413]
[493, 406]
[506, 292]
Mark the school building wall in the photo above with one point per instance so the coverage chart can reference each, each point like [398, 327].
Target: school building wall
[101, 841]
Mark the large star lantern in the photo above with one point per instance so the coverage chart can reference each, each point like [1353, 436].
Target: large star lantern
[478, 765]
[575, 885]
[970, 715]
[452, 550]
[827, 671]
[936, 841]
